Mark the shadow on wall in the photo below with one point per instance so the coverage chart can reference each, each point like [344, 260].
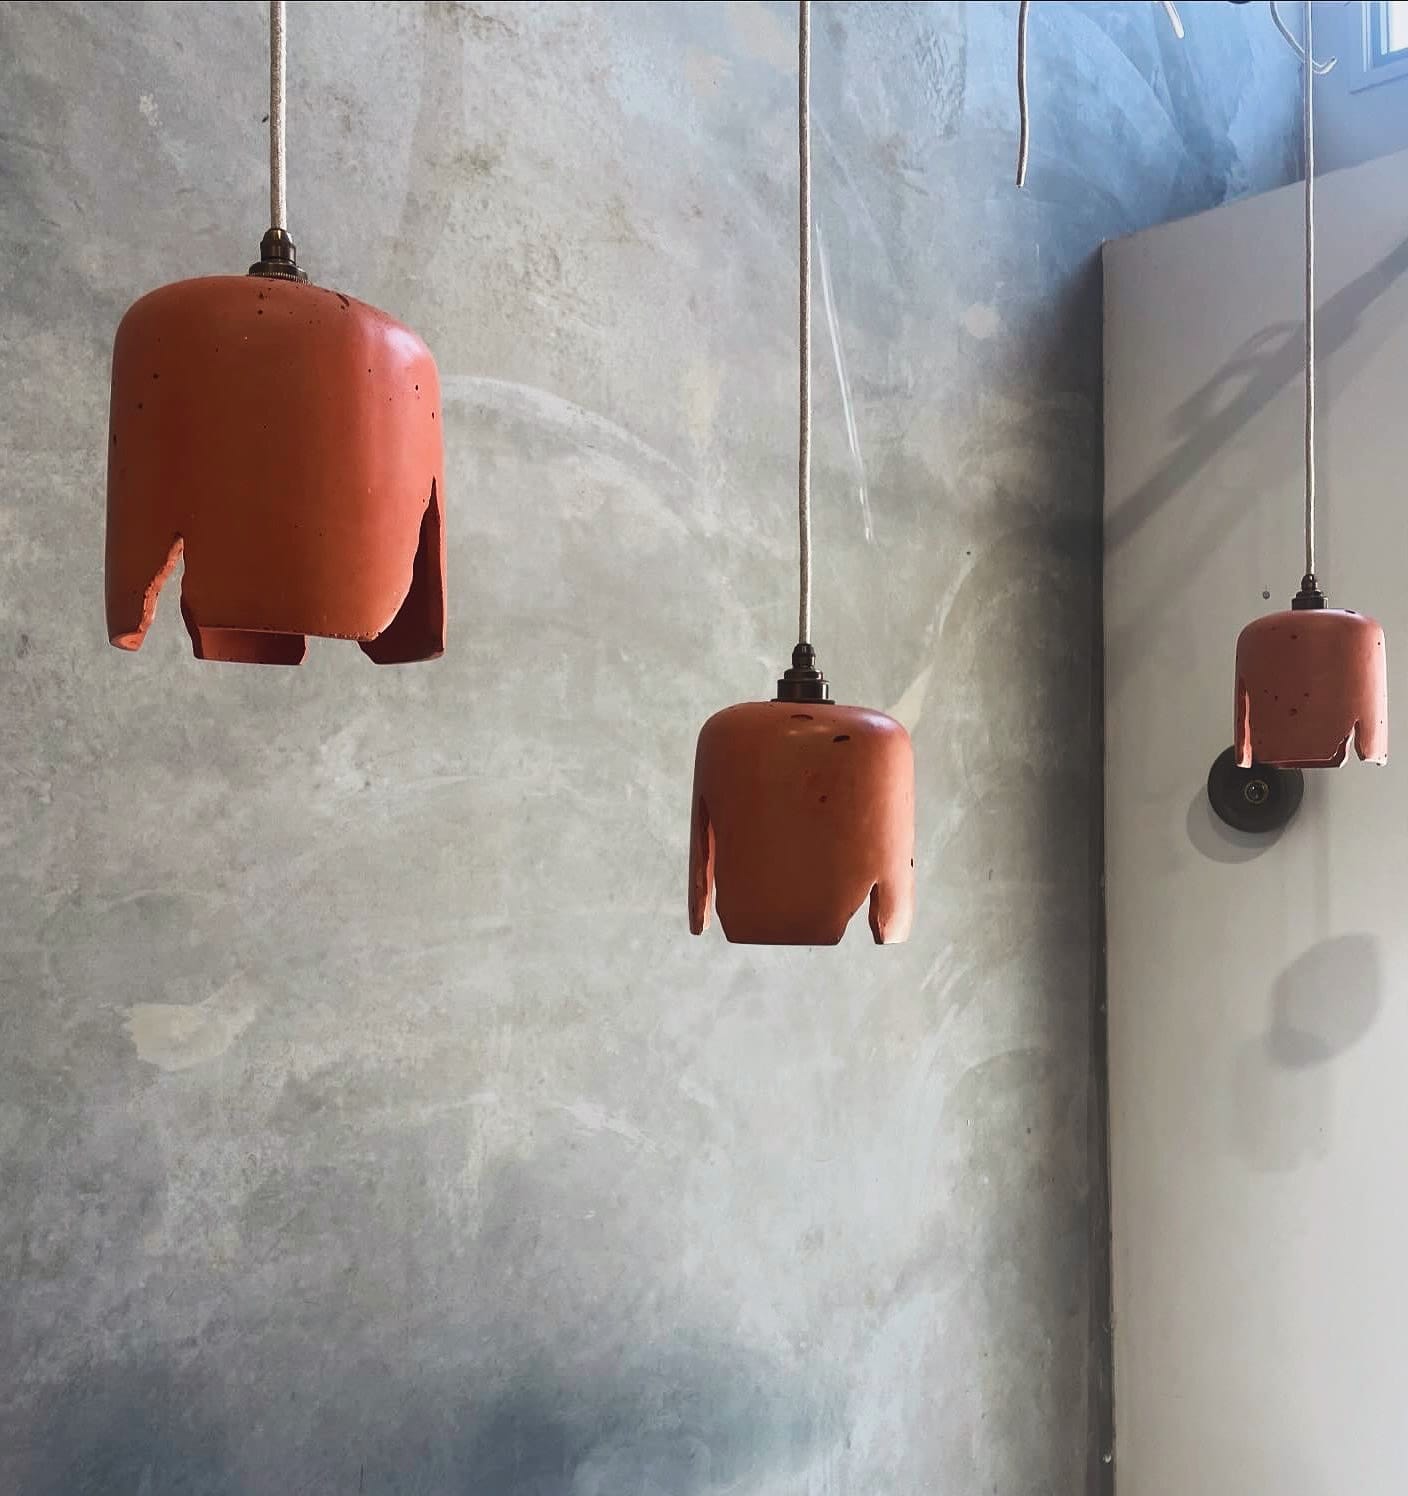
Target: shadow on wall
[1285, 1465]
[685, 1421]
[546, 1358]
[1216, 840]
[1217, 414]
[689, 1419]
[1322, 1004]
[142, 1427]
[1242, 388]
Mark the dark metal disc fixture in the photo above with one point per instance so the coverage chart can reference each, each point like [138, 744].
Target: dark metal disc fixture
[1260, 800]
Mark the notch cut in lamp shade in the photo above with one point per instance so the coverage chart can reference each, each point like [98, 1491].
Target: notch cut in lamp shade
[801, 811]
[1309, 680]
[285, 440]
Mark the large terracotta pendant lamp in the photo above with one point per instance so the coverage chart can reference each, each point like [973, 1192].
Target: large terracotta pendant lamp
[285, 440]
[802, 809]
[1313, 677]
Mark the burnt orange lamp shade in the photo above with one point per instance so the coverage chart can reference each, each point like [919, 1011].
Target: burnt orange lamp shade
[1309, 680]
[802, 810]
[285, 440]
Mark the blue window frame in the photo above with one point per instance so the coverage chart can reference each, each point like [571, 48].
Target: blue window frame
[1385, 53]
[1387, 31]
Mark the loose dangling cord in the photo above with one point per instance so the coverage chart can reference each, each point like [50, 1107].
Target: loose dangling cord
[804, 424]
[1024, 140]
[1308, 116]
[1321, 68]
[1024, 114]
[278, 192]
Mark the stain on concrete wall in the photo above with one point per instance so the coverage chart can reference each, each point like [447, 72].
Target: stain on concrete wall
[368, 1120]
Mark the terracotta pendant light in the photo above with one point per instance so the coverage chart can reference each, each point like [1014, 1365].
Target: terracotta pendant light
[285, 441]
[1311, 678]
[802, 808]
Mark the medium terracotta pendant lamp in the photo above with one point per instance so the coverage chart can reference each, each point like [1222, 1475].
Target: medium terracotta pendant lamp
[802, 809]
[1311, 678]
[286, 441]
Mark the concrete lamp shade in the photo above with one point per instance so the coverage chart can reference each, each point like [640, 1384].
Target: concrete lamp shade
[802, 810]
[1309, 680]
[285, 441]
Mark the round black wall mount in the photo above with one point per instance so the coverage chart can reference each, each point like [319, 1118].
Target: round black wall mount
[1259, 800]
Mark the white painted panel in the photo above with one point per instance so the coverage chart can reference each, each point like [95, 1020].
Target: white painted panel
[1258, 993]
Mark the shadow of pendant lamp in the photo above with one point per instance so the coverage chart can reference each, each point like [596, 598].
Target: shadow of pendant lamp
[802, 809]
[1311, 678]
[285, 440]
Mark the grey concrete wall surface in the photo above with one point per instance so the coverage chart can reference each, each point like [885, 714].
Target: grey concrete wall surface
[368, 1119]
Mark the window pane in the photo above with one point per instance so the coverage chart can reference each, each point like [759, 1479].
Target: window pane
[1396, 26]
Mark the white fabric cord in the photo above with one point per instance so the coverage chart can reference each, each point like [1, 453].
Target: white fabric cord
[278, 194]
[1310, 70]
[804, 424]
[1309, 117]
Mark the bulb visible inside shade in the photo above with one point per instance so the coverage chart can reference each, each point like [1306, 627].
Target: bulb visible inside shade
[802, 811]
[1310, 680]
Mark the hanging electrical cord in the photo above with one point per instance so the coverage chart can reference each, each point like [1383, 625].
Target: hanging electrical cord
[278, 255]
[803, 681]
[1023, 111]
[804, 308]
[1310, 70]
[278, 193]
[1308, 119]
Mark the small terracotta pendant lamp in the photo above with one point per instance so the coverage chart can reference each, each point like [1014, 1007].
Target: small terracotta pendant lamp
[1311, 678]
[286, 441]
[802, 809]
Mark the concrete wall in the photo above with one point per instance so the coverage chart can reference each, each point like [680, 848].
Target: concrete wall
[368, 1119]
[1258, 1027]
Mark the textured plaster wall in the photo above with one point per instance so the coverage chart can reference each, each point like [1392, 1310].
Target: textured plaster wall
[368, 1119]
